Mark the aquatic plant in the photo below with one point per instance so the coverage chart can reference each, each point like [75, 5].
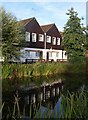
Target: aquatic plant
[75, 105]
[70, 105]
[40, 69]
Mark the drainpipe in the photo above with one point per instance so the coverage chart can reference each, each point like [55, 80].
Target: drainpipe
[45, 41]
[62, 55]
[45, 47]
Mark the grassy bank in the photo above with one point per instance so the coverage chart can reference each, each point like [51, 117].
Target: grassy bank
[41, 69]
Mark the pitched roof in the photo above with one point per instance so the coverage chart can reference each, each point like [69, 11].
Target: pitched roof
[26, 21]
[45, 28]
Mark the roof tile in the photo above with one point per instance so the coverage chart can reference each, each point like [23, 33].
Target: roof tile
[26, 21]
[45, 28]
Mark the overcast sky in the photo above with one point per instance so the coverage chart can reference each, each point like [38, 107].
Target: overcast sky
[46, 12]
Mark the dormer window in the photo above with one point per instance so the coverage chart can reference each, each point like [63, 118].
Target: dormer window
[33, 37]
[48, 39]
[27, 35]
[41, 37]
[54, 40]
[58, 41]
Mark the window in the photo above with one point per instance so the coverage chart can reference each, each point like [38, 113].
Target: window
[58, 41]
[27, 53]
[65, 53]
[27, 35]
[57, 54]
[37, 54]
[54, 40]
[33, 37]
[48, 39]
[41, 37]
[50, 54]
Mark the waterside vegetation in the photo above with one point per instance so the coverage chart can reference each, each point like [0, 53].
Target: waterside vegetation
[13, 71]
[73, 105]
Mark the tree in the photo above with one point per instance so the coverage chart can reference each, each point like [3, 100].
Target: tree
[12, 36]
[74, 37]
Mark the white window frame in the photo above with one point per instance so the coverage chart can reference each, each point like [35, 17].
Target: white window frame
[27, 36]
[50, 54]
[41, 37]
[48, 39]
[37, 54]
[27, 53]
[34, 35]
[57, 54]
[54, 40]
[58, 41]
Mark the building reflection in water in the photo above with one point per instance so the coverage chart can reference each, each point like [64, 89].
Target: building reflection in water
[46, 93]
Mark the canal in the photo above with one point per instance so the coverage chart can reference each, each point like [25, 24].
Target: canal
[39, 94]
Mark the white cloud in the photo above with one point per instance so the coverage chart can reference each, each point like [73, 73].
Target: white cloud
[47, 12]
[54, 11]
[57, 13]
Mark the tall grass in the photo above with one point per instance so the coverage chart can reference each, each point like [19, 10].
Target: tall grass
[12, 71]
[73, 105]
[12, 112]
[27, 70]
[77, 68]
[15, 70]
[49, 68]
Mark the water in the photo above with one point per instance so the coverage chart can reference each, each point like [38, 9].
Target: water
[40, 93]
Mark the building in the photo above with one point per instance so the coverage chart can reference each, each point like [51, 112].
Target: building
[41, 42]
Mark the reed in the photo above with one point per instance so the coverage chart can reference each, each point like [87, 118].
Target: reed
[73, 105]
[27, 70]
[1, 107]
[12, 71]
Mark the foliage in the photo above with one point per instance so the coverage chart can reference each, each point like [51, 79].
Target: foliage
[72, 105]
[13, 71]
[75, 105]
[74, 37]
[48, 68]
[12, 36]
[1, 107]
[13, 112]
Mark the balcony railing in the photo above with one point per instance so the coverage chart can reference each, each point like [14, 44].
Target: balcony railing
[43, 60]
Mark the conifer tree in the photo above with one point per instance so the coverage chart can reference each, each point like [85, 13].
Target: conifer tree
[74, 37]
